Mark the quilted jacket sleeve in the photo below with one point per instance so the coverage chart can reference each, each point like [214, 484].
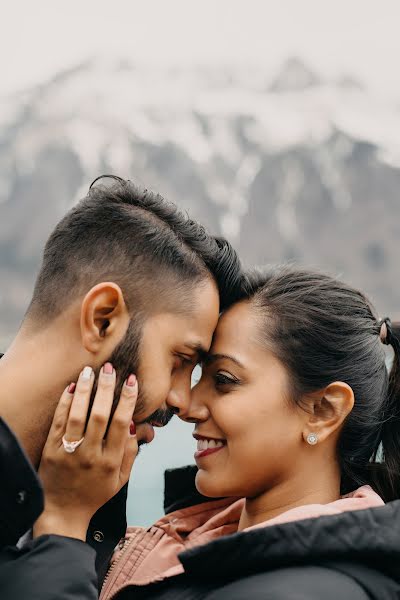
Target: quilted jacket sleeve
[50, 567]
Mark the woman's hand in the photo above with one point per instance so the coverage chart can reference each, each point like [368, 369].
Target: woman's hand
[77, 484]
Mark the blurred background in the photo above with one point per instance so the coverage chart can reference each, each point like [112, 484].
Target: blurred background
[275, 123]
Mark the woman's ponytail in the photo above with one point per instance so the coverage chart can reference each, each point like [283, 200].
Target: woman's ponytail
[388, 475]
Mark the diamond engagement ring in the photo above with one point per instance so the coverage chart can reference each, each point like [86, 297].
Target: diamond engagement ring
[70, 447]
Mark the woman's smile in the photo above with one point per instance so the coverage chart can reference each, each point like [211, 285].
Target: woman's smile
[207, 445]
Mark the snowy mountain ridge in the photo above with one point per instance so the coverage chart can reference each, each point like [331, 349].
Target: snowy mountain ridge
[285, 164]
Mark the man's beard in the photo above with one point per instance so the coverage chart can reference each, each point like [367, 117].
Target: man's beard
[125, 360]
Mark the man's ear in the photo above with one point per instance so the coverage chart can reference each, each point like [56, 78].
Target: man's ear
[104, 317]
[328, 410]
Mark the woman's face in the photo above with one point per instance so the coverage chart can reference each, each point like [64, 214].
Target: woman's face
[241, 402]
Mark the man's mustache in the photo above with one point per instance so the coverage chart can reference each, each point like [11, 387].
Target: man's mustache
[160, 417]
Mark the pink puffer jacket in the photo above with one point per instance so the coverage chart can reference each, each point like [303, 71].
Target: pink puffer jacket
[149, 555]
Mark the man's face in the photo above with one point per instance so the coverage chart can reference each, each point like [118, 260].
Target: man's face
[163, 352]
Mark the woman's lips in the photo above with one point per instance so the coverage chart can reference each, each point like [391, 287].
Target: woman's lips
[203, 453]
[207, 445]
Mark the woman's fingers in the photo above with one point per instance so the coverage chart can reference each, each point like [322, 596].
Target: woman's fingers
[71, 416]
[102, 405]
[76, 423]
[76, 484]
[60, 418]
[120, 424]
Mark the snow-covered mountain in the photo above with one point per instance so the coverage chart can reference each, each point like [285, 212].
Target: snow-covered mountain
[286, 164]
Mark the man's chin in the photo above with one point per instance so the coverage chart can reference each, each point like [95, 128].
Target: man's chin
[144, 433]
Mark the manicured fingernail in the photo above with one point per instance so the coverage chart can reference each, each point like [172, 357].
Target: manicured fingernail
[132, 428]
[131, 381]
[71, 388]
[108, 369]
[86, 373]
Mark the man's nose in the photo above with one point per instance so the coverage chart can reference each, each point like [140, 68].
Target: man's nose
[196, 410]
[178, 399]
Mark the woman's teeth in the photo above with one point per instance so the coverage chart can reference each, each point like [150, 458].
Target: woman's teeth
[207, 444]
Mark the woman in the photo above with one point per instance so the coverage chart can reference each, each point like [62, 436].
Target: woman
[298, 430]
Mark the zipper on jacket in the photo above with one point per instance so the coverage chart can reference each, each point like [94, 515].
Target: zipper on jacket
[110, 579]
[126, 542]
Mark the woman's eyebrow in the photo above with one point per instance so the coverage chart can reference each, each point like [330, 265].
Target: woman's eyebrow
[210, 358]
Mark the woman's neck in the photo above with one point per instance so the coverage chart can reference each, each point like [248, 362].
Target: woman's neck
[305, 487]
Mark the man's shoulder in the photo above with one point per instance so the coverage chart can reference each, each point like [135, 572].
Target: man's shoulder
[21, 496]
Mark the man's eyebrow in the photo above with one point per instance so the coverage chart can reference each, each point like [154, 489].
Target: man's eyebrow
[198, 348]
[210, 358]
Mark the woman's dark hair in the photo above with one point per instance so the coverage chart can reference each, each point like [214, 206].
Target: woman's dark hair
[323, 331]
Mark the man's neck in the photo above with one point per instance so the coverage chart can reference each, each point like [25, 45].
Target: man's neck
[33, 373]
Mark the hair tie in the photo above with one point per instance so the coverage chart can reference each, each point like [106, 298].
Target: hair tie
[385, 331]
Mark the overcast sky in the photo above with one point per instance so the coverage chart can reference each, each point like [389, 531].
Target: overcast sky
[358, 36]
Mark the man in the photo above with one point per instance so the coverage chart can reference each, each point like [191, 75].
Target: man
[128, 278]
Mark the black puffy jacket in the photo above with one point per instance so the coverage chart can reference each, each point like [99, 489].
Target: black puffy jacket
[50, 566]
[352, 555]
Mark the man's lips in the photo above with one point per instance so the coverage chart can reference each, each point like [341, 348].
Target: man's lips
[160, 418]
[156, 423]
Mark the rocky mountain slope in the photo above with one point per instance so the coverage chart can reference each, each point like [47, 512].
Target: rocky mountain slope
[287, 165]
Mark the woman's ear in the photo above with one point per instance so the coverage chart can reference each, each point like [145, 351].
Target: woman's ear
[328, 410]
[104, 318]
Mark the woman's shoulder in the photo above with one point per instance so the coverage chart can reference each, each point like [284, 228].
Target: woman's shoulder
[366, 537]
[311, 582]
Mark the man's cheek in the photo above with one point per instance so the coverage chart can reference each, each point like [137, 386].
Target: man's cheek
[161, 391]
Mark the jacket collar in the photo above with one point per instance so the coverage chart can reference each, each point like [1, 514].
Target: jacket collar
[369, 536]
[180, 489]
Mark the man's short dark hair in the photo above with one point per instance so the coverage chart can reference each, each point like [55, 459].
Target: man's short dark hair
[129, 235]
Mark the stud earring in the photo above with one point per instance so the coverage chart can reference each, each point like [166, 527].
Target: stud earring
[312, 439]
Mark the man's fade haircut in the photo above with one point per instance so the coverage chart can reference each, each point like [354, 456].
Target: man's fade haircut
[123, 233]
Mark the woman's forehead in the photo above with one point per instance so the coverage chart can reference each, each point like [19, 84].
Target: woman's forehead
[236, 325]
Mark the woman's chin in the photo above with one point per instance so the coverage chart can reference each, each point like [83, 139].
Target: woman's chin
[210, 486]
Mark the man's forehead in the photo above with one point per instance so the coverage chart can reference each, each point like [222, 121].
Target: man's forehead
[195, 332]
[184, 330]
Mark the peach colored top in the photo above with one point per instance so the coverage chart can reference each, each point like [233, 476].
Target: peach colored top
[149, 555]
